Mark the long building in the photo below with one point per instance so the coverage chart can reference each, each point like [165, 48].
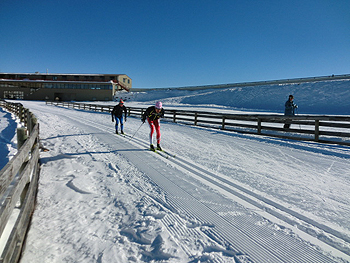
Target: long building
[63, 87]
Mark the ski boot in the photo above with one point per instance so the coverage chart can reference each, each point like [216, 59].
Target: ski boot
[152, 148]
[159, 148]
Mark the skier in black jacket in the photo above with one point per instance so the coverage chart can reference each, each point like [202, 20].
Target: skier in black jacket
[117, 114]
[153, 114]
[289, 110]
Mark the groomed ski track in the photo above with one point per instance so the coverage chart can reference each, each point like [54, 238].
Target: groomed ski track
[226, 221]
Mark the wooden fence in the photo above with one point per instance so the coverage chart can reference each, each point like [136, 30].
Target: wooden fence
[319, 128]
[18, 186]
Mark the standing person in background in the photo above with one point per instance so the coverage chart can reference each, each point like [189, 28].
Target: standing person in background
[289, 110]
[153, 114]
[117, 114]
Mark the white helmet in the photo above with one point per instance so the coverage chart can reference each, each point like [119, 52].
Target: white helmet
[159, 105]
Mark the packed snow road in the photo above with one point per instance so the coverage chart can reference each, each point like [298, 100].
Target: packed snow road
[223, 197]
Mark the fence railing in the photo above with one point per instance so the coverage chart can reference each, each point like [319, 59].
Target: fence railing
[319, 128]
[18, 185]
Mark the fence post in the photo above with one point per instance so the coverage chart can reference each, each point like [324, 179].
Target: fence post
[34, 121]
[21, 137]
[195, 118]
[28, 120]
[24, 115]
[259, 126]
[317, 130]
[20, 114]
[223, 123]
[174, 117]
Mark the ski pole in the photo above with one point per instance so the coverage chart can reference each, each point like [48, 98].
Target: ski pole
[136, 132]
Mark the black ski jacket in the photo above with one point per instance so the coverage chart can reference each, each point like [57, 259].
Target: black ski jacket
[289, 108]
[152, 114]
[117, 111]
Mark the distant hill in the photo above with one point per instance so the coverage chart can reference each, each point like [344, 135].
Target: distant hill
[321, 97]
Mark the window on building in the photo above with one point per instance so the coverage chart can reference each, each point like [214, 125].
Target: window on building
[13, 94]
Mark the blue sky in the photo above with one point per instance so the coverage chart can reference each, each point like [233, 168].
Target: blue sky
[161, 43]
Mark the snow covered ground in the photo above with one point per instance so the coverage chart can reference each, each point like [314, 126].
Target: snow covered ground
[223, 197]
[8, 127]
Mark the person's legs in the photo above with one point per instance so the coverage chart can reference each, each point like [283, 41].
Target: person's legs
[121, 124]
[287, 124]
[151, 126]
[116, 124]
[157, 126]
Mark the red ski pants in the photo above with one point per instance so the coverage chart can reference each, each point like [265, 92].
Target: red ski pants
[154, 125]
